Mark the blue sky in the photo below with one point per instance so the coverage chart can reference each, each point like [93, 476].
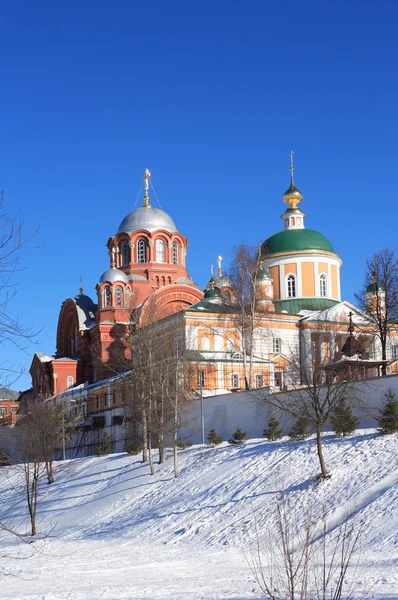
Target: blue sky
[210, 96]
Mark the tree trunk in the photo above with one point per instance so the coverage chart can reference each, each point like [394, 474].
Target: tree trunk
[149, 436]
[144, 435]
[324, 472]
[161, 429]
[49, 471]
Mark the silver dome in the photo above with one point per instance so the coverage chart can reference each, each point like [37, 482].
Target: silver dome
[222, 281]
[147, 218]
[112, 275]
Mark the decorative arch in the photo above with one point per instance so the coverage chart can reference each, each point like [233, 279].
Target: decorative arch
[168, 300]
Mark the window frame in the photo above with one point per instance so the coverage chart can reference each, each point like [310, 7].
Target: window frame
[142, 251]
[323, 285]
[201, 379]
[175, 253]
[235, 379]
[119, 295]
[108, 296]
[160, 251]
[124, 254]
[291, 286]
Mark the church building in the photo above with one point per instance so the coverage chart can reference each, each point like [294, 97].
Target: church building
[298, 316]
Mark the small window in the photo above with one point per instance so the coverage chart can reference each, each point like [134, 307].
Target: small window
[394, 352]
[234, 380]
[3, 410]
[69, 381]
[175, 253]
[108, 296]
[291, 286]
[298, 220]
[160, 251]
[141, 251]
[125, 254]
[226, 297]
[119, 296]
[205, 343]
[259, 380]
[201, 379]
[276, 345]
[286, 222]
[291, 220]
[323, 285]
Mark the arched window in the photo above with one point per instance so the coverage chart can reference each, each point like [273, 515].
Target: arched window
[119, 296]
[141, 251]
[160, 251]
[125, 254]
[226, 297]
[108, 296]
[291, 286]
[323, 285]
[163, 280]
[69, 381]
[205, 343]
[175, 253]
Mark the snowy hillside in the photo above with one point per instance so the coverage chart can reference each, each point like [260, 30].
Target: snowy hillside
[115, 532]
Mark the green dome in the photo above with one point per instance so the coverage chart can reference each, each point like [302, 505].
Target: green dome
[213, 293]
[262, 273]
[294, 240]
[374, 288]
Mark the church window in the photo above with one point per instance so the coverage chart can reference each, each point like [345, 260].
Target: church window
[276, 345]
[69, 381]
[286, 222]
[226, 297]
[125, 254]
[323, 285]
[119, 296]
[259, 380]
[175, 253]
[394, 352]
[163, 280]
[291, 286]
[160, 251]
[141, 251]
[234, 380]
[205, 343]
[108, 296]
[201, 379]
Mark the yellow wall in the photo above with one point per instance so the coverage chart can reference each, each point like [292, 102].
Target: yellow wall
[308, 279]
[290, 268]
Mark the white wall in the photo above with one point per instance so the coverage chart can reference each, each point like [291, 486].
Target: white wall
[248, 410]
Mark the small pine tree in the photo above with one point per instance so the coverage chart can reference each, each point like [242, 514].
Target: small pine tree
[299, 431]
[273, 432]
[213, 439]
[238, 437]
[388, 421]
[342, 419]
[105, 447]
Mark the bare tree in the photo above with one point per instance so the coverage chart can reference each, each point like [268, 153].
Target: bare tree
[317, 397]
[247, 317]
[379, 296]
[13, 238]
[302, 561]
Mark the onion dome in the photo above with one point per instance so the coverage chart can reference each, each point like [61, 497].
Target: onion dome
[374, 287]
[112, 275]
[213, 292]
[292, 196]
[148, 218]
[262, 273]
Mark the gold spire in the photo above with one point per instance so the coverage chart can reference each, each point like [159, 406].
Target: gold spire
[146, 188]
[81, 286]
[292, 196]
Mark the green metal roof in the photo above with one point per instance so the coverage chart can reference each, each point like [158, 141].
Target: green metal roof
[294, 240]
[213, 293]
[294, 305]
[374, 288]
[210, 307]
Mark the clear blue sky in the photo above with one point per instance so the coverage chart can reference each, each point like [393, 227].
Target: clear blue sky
[210, 96]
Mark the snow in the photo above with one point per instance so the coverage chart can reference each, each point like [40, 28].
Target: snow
[116, 532]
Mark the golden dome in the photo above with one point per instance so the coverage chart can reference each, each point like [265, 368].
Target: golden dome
[292, 196]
